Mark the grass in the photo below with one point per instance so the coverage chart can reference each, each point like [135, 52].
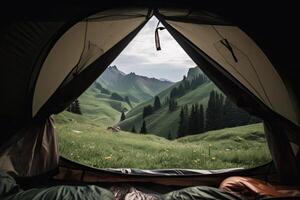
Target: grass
[100, 108]
[88, 142]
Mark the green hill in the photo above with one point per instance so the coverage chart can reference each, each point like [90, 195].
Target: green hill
[83, 140]
[137, 88]
[163, 122]
[100, 107]
[97, 102]
[194, 72]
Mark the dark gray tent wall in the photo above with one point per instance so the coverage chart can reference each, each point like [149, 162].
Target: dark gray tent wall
[25, 47]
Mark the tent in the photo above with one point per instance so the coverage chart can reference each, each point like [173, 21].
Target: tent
[51, 55]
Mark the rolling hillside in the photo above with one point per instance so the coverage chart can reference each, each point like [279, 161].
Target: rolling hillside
[163, 122]
[85, 141]
[137, 88]
[100, 107]
[192, 72]
[85, 138]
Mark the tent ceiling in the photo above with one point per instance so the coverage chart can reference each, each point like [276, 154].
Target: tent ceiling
[246, 62]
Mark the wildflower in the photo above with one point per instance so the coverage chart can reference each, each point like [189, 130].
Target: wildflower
[108, 157]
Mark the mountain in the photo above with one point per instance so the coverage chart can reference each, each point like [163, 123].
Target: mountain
[164, 79]
[137, 88]
[163, 122]
[194, 72]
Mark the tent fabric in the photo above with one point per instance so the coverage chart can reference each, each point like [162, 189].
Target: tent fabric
[47, 75]
[249, 68]
[33, 163]
[243, 96]
[35, 153]
[66, 94]
[193, 16]
[281, 151]
[70, 171]
[21, 46]
[82, 45]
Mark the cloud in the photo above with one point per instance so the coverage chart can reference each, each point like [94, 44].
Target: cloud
[141, 56]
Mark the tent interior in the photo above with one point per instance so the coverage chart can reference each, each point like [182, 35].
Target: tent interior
[49, 63]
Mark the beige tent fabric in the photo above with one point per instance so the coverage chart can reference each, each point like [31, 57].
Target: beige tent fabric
[34, 154]
[80, 46]
[252, 69]
[60, 61]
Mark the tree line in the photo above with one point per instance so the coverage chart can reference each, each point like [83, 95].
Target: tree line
[113, 95]
[74, 107]
[186, 85]
[149, 109]
[219, 114]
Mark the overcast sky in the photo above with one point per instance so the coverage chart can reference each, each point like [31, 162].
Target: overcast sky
[141, 56]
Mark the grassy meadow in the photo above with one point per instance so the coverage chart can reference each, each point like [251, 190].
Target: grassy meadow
[85, 140]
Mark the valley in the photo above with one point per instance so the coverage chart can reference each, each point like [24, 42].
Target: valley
[157, 121]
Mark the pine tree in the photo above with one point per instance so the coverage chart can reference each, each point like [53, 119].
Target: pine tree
[183, 122]
[219, 123]
[69, 109]
[148, 110]
[172, 104]
[123, 117]
[180, 132]
[228, 111]
[133, 129]
[170, 135]
[143, 128]
[235, 116]
[186, 84]
[76, 107]
[174, 93]
[192, 121]
[201, 119]
[166, 101]
[210, 112]
[157, 104]
[196, 119]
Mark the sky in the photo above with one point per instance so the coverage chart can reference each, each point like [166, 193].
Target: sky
[142, 58]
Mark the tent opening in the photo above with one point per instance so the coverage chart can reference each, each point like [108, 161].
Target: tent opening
[158, 110]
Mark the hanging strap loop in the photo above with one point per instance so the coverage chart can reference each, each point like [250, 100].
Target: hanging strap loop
[157, 41]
